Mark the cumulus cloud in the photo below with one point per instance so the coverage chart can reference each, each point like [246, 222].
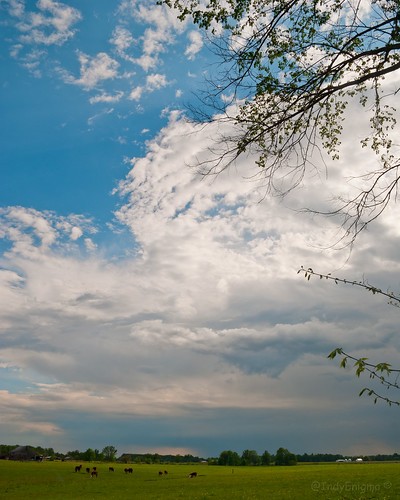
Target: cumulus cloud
[106, 97]
[156, 81]
[122, 39]
[196, 44]
[205, 312]
[164, 26]
[52, 25]
[136, 93]
[94, 70]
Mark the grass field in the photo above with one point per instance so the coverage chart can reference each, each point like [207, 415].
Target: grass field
[57, 480]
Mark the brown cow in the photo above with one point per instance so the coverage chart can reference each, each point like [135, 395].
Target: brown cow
[88, 470]
[193, 474]
[165, 472]
[94, 473]
[78, 468]
[111, 469]
[160, 473]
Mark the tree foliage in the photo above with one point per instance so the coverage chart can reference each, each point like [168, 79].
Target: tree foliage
[292, 68]
[250, 457]
[284, 457]
[109, 453]
[266, 458]
[229, 457]
[382, 372]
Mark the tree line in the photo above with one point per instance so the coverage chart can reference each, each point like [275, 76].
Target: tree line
[226, 457]
[284, 457]
[252, 458]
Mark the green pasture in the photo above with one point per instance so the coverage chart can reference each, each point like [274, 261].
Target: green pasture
[57, 480]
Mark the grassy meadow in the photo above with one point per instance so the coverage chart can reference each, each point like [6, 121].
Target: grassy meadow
[58, 480]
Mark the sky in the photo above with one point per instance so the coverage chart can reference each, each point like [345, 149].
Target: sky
[153, 309]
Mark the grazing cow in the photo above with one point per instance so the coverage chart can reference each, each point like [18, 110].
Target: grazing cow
[165, 472]
[94, 473]
[78, 468]
[88, 470]
[160, 473]
[193, 474]
[130, 470]
[111, 469]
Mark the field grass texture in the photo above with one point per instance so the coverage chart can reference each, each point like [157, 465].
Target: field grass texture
[58, 480]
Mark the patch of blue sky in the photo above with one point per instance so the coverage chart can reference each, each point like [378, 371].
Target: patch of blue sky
[223, 209]
[249, 235]
[11, 381]
[182, 210]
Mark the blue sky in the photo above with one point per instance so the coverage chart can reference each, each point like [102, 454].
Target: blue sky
[149, 308]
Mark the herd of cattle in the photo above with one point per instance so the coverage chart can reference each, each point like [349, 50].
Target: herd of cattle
[94, 472]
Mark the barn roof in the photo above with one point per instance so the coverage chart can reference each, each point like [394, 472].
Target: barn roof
[22, 452]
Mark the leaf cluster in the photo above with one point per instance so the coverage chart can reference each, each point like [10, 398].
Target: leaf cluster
[294, 66]
[382, 372]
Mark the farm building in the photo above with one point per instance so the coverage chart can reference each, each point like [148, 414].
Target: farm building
[24, 453]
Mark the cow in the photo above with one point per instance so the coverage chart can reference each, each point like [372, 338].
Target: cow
[78, 468]
[128, 471]
[111, 469]
[193, 474]
[160, 473]
[93, 473]
[165, 472]
[88, 470]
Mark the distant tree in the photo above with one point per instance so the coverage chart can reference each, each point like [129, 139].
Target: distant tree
[89, 455]
[76, 455]
[99, 455]
[319, 457]
[382, 372]
[6, 448]
[266, 458]
[292, 68]
[250, 457]
[284, 457]
[109, 453]
[213, 461]
[126, 458]
[49, 452]
[229, 457]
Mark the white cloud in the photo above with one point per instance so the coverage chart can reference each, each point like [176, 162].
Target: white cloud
[52, 25]
[92, 119]
[164, 26]
[76, 233]
[156, 81]
[122, 39]
[106, 97]
[16, 7]
[196, 44]
[94, 70]
[90, 245]
[136, 93]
